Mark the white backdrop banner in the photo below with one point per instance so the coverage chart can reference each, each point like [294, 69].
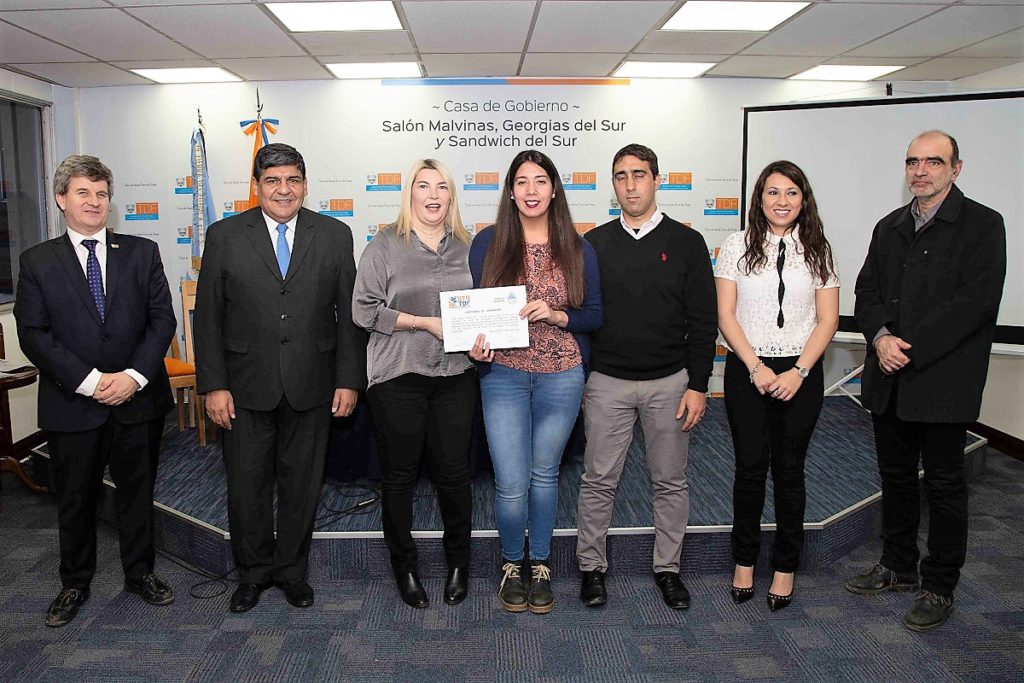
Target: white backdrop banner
[359, 138]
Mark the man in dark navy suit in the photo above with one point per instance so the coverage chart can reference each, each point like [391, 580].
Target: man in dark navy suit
[94, 315]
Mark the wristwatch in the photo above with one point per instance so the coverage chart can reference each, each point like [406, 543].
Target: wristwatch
[803, 372]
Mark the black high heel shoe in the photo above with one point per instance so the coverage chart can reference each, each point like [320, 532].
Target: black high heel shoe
[777, 602]
[741, 595]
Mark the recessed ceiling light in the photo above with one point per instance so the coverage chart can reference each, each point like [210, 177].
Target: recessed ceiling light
[337, 16]
[701, 15]
[376, 70]
[662, 69]
[842, 72]
[192, 75]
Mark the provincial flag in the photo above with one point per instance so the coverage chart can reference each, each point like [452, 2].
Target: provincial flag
[202, 200]
[260, 129]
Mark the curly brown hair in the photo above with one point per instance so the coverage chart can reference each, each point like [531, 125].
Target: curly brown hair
[817, 250]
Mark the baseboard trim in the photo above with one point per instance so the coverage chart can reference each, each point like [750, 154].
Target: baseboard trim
[1002, 441]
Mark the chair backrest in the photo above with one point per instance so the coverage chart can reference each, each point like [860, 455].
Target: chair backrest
[188, 307]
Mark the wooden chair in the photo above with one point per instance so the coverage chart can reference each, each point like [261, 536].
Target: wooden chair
[182, 372]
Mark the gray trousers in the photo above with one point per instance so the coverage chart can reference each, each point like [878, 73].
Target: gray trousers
[610, 409]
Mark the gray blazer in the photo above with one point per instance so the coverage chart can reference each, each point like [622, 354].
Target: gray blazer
[260, 335]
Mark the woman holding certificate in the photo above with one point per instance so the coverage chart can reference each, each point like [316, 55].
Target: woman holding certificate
[422, 398]
[778, 308]
[531, 396]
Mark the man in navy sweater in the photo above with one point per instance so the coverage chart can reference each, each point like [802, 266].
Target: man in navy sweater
[652, 359]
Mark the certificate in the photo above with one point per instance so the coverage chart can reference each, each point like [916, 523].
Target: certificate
[493, 312]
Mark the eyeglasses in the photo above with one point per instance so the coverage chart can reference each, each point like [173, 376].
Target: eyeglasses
[780, 262]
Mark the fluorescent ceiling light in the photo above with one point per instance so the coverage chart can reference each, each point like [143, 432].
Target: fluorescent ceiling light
[662, 69]
[841, 72]
[700, 15]
[376, 70]
[336, 16]
[193, 75]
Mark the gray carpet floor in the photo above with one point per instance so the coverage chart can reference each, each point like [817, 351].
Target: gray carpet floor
[358, 630]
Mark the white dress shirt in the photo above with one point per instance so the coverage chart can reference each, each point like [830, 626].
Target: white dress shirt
[644, 229]
[88, 385]
[289, 234]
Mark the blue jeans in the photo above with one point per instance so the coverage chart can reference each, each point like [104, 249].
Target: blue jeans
[529, 417]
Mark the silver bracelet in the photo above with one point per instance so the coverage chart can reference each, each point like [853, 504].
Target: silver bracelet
[757, 367]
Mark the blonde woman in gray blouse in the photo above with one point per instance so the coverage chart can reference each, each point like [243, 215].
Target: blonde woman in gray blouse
[423, 399]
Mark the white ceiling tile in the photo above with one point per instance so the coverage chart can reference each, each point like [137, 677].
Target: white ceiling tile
[17, 45]
[357, 43]
[276, 68]
[906, 2]
[697, 42]
[139, 3]
[950, 68]
[167, 64]
[1007, 45]
[50, 4]
[572, 64]
[84, 75]
[490, 64]
[221, 30]
[763, 67]
[833, 29]
[950, 29]
[469, 27]
[102, 33]
[589, 26]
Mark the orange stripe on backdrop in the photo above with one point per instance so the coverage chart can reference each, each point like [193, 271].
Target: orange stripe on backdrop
[568, 81]
[257, 142]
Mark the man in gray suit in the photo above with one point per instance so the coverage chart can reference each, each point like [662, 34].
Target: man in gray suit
[276, 356]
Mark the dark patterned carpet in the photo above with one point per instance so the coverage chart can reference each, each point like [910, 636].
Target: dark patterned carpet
[359, 631]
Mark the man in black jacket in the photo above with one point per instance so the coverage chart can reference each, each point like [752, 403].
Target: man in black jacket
[276, 356]
[94, 315]
[927, 300]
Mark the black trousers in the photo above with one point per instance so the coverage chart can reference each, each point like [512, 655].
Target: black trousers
[77, 462]
[287, 445]
[939, 448]
[770, 434]
[414, 414]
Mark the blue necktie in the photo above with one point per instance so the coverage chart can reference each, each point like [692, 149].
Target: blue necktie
[95, 277]
[283, 254]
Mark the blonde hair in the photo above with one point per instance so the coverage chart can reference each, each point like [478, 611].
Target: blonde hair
[403, 226]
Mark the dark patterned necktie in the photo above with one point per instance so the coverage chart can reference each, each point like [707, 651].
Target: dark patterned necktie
[95, 277]
[780, 263]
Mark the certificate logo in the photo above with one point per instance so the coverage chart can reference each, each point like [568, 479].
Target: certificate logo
[183, 185]
[722, 206]
[511, 298]
[580, 180]
[336, 208]
[142, 211]
[678, 180]
[481, 180]
[458, 301]
[384, 182]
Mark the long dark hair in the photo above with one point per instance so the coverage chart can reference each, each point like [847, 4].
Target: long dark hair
[817, 250]
[505, 263]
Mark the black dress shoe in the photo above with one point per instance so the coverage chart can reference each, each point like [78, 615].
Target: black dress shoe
[411, 590]
[246, 596]
[65, 606]
[777, 602]
[540, 599]
[457, 586]
[928, 611]
[741, 595]
[297, 592]
[152, 588]
[512, 592]
[592, 590]
[673, 592]
[881, 579]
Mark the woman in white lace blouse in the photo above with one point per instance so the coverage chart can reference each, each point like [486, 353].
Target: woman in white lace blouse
[778, 308]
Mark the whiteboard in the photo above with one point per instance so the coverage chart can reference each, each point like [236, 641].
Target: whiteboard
[853, 154]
